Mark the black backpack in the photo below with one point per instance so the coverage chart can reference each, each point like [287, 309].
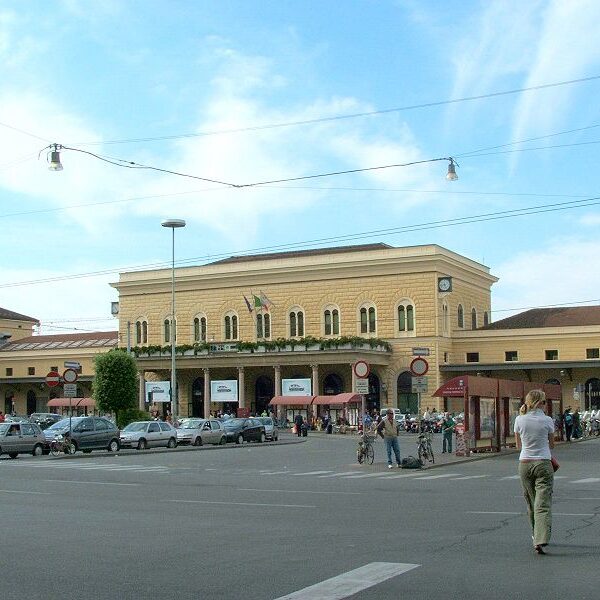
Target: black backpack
[410, 462]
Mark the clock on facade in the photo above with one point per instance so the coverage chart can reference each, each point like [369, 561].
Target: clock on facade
[445, 284]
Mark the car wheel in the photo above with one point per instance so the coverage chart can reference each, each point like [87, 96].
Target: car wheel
[113, 446]
[142, 444]
[71, 448]
[223, 441]
[198, 441]
[38, 450]
[263, 437]
[240, 439]
[172, 443]
[13, 454]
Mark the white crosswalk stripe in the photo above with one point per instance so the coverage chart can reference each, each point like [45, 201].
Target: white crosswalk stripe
[468, 477]
[339, 474]
[98, 467]
[509, 477]
[311, 473]
[365, 475]
[588, 480]
[442, 476]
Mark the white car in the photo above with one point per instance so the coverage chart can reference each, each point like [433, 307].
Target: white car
[148, 434]
[201, 431]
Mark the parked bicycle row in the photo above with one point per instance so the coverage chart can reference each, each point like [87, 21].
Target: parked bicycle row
[86, 434]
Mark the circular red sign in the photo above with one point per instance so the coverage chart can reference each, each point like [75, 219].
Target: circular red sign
[70, 376]
[419, 366]
[53, 379]
[361, 368]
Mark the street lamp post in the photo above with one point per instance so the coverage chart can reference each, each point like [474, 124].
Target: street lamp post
[173, 224]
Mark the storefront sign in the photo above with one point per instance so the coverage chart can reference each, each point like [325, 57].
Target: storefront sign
[158, 391]
[296, 387]
[224, 391]
[216, 348]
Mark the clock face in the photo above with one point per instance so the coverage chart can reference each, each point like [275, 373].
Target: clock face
[444, 284]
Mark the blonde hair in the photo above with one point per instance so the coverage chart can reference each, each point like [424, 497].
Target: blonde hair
[532, 401]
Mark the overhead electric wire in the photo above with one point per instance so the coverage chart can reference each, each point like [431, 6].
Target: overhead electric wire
[342, 117]
[543, 208]
[33, 135]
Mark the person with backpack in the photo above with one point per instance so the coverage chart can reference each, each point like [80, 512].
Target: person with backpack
[568, 421]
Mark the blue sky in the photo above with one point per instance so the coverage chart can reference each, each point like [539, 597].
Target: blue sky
[87, 75]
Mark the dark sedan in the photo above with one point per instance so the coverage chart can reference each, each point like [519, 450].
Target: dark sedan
[244, 430]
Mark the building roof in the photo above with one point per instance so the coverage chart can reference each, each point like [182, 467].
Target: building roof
[565, 316]
[13, 316]
[96, 339]
[300, 253]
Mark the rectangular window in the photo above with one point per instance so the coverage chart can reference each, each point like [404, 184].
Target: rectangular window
[30, 370]
[551, 354]
[511, 356]
[9, 371]
[472, 356]
[592, 353]
[54, 368]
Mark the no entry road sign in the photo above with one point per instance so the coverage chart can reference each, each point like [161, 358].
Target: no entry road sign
[53, 378]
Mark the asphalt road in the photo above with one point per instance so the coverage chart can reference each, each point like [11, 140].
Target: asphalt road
[264, 521]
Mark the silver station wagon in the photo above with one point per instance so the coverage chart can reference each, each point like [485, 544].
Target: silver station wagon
[21, 438]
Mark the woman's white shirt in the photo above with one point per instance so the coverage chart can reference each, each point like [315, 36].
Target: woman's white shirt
[533, 428]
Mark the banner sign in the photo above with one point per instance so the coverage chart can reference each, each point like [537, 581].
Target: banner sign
[224, 391]
[158, 391]
[296, 387]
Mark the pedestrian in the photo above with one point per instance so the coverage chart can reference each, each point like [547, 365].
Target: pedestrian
[568, 421]
[534, 434]
[577, 432]
[448, 426]
[1, 417]
[388, 429]
[298, 420]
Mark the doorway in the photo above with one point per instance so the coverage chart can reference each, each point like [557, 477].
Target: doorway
[264, 391]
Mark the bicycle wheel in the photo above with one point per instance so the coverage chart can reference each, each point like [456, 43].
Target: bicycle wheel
[360, 455]
[422, 455]
[430, 453]
[55, 449]
[370, 454]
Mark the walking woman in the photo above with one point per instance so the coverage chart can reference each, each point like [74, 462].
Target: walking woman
[534, 433]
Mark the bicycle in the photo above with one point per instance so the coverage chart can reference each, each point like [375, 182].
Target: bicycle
[61, 445]
[424, 449]
[365, 451]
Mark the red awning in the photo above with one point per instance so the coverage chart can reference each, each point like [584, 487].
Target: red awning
[73, 402]
[345, 398]
[291, 400]
[454, 388]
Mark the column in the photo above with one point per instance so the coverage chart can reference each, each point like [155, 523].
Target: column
[142, 390]
[277, 380]
[241, 388]
[315, 387]
[206, 393]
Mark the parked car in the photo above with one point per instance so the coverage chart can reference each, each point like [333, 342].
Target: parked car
[148, 434]
[86, 433]
[21, 438]
[16, 419]
[244, 430]
[271, 430]
[44, 420]
[201, 431]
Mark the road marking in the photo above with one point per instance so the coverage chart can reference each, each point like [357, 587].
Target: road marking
[588, 480]
[275, 473]
[554, 514]
[365, 475]
[241, 503]
[510, 477]
[350, 583]
[401, 476]
[339, 474]
[89, 482]
[311, 473]
[297, 491]
[24, 492]
[437, 476]
[467, 477]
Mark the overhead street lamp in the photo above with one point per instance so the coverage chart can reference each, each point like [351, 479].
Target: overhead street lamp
[173, 224]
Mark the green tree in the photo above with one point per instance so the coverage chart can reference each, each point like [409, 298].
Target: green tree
[115, 383]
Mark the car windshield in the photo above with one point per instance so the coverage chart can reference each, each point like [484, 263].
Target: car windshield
[137, 426]
[64, 424]
[232, 423]
[265, 420]
[192, 424]
[3, 428]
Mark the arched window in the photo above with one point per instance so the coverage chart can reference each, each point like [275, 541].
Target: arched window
[296, 322]
[461, 316]
[141, 331]
[445, 319]
[486, 319]
[331, 321]
[263, 326]
[405, 316]
[367, 319]
[473, 319]
[231, 326]
[200, 328]
[167, 330]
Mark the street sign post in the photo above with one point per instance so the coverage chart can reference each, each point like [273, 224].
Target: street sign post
[361, 385]
[418, 367]
[420, 351]
[72, 364]
[70, 376]
[70, 390]
[419, 385]
[361, 369]
[53, 379]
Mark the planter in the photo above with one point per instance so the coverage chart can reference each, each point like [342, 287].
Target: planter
[313, 347]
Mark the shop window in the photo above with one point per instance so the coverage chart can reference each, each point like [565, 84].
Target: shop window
[551, 354]
[472, 357]
[592, 353]
[511, 356]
